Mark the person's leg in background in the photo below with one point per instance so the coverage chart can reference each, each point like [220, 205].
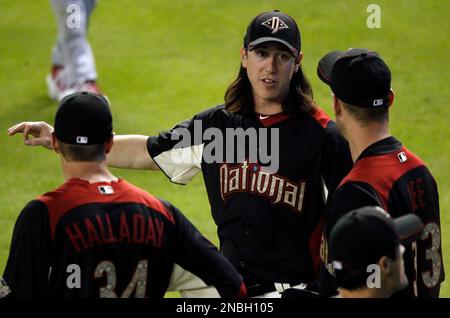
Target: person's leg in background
[73, 63]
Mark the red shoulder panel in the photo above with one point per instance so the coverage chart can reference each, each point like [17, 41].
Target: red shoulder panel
[321, 117]
[382, 171]
[76, 192]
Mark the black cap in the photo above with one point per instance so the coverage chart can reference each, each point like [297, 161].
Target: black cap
[358, 77]
[273, 26]
[83, 118]
[362, 236]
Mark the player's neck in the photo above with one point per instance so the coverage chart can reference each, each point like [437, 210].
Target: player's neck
[88, 171]
[265, 107]
[359, 138]
[364, 293]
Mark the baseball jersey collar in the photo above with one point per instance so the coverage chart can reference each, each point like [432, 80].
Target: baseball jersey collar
[381, 147]
[270, 120]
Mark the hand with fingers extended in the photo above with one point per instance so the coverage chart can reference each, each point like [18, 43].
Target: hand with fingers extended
[39, 130]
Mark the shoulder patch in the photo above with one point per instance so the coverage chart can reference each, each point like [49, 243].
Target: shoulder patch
[402, 157]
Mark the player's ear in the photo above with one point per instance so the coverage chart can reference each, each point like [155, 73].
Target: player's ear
[385, 264]
[297, 62]
[55, 144]
[337, 107]
[109, 143]
[391, 97]
[244, 57]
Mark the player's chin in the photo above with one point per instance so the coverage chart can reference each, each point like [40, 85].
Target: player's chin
[402, 282]
[272, 95]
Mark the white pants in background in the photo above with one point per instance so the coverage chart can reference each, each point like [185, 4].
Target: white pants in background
[72, 49]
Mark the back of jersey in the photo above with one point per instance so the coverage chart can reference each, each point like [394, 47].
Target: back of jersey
[389, 175]
[113, 239]
[109, 240]
[416, 192]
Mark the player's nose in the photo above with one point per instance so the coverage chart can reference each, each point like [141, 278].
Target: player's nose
[271, 64]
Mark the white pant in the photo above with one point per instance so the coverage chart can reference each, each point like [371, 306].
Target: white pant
[72, 49]
[279, 289]
[189, 285]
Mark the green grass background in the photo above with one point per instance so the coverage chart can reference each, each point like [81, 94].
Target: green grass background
[162, 61]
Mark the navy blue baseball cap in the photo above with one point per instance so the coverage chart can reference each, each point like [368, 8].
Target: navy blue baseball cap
[362, 236]
[273, 26]
[358, 77]
[83, 118]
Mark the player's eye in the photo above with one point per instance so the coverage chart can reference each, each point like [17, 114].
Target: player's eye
[284, 57]
[261, 53]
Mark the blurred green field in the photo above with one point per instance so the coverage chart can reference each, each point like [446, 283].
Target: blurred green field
[160, 62]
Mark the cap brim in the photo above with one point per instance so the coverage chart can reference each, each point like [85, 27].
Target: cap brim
[271, 39]
[326, 64]
[409, 227]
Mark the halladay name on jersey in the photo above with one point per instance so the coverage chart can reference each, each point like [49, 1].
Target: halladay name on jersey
[138, 229]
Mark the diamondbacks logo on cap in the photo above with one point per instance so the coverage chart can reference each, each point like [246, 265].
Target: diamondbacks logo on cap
[106, 189]
[402, 157]
[82, 140]
[275, 24]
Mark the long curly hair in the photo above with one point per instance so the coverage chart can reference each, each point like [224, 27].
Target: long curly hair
[299, 100]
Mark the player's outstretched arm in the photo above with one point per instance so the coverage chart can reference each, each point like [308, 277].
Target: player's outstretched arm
[39, 130]
[130, 151]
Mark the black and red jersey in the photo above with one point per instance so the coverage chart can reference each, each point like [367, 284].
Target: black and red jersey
[269, 221]
[108, 240]
[387, 174]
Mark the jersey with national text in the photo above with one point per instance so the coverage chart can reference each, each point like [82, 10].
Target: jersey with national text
[388, 175]
[269, 219]
[108, 240]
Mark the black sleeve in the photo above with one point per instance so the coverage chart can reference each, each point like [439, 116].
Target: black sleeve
[336, 158]
[350, 196]
[27, 269]
[196, 254]
[179, 151]
[430, 262]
